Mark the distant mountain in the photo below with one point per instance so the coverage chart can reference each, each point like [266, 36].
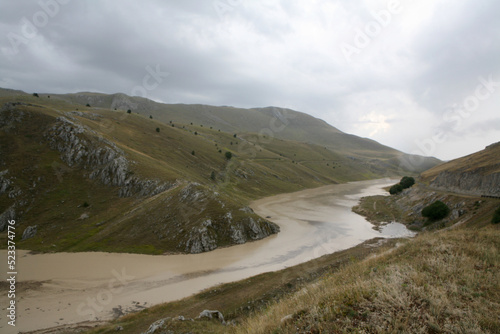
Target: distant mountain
[271, 122]
[475, 174]
[162, 178]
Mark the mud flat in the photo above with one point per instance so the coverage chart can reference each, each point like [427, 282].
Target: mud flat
[67, 288]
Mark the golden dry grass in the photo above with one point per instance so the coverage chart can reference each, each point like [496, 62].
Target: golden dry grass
[438, 283]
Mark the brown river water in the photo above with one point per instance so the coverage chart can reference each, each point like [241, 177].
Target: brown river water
[64, 288]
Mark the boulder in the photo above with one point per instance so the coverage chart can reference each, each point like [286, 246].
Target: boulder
[29, 232]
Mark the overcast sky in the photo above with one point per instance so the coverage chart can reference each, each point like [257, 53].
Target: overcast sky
[420, 76]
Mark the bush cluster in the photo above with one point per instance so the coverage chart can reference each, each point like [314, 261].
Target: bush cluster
[496, 216]
[436, 211]
[406, 182]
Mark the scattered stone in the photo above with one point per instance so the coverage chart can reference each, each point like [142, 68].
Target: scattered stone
[212, 314]
[84, 216]
[29, 232]
[9, 214]
[159, 324]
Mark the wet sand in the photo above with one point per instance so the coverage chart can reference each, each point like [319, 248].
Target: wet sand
[65, 288]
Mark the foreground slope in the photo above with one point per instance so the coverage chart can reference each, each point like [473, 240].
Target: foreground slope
[78, 178]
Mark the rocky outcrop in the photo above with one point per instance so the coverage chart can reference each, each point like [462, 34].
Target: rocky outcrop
[10, 115]
[29, 232]
[9, 214]
[216, 223]
[81, 147]
[212, 314]
[468, 182]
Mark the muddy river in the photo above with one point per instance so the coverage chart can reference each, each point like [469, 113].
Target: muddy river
[67, 288]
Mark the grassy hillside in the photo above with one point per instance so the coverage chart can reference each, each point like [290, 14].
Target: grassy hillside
[486, 161]
[94, 178]
[271, 121]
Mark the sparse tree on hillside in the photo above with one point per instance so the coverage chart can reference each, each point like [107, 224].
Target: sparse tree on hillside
[129, 111]
[88, 105]
[151, 117]
[436, 211]
[192, 152]
[157, 129]
[396, 189]
[496, 216]
[407, 182]
[228, 155]
[212, 176]
[35, 95]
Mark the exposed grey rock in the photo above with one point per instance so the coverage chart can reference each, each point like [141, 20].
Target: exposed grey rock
[4, 181]
[108, 164]
[158, 325]
[201, 240]
[10, 116]
[9, 214]
[469, 182]
[212, 314]
[29, 232]
[247, 209]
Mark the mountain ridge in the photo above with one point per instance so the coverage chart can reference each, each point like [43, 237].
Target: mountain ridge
[82, 178]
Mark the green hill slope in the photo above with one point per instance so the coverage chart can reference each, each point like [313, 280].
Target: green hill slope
[271, 122]
[95, 178]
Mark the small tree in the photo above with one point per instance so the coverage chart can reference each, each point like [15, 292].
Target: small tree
[35, 95]
[212, 176]
[157, 129]
[129, 111]
[407, 182]
[436, 211]
[234, 135]
[228, 155]
[396, 189]
[496, 216]
[151, 117]
[88, 105]
[192, 152]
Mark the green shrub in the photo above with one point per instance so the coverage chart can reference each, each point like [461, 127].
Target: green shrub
[35, 95]
[396, 189]
[436, 211]
[129, 111]
[157, 129]
[496, 216]
[407, 182]
[229, 155]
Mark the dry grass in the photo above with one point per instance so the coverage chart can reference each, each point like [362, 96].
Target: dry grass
[438, 283]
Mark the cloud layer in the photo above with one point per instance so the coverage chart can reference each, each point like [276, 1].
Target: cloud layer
[423, 77]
